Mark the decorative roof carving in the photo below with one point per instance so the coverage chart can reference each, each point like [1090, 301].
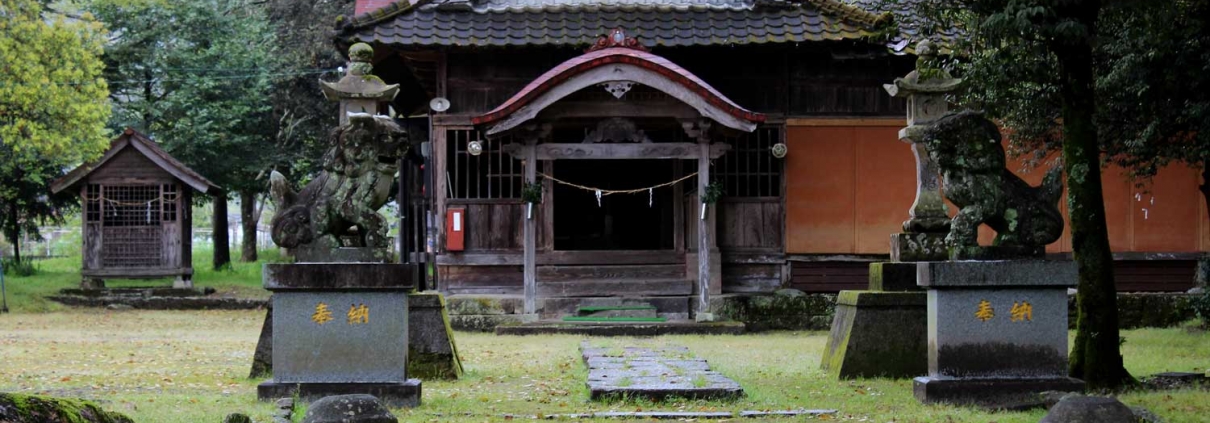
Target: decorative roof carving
[616, 130]
[616, 38]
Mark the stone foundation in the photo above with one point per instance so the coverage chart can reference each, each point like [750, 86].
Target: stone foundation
[878, 334]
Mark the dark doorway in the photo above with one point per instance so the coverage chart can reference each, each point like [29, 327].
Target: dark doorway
[622, 221]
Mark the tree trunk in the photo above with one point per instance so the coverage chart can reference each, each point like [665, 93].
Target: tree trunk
[1096, 355]
[249, 218]
[15, 231]
[222, 245]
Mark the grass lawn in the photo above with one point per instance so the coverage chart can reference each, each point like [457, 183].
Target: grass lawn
[160, 366]
[28, 294]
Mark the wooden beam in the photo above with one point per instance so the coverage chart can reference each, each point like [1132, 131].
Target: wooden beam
[703, 233]
[530, 241]
[896, 122]
[669, 150]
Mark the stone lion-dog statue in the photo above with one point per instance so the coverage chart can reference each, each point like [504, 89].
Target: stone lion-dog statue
[967, 149]
[342, 203]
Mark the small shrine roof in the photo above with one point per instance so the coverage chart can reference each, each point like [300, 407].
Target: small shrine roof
[134, 139]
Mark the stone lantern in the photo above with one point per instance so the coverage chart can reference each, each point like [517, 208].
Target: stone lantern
[923, 236]
[359, 91]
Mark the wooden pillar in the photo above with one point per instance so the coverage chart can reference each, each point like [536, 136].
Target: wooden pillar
[703, 231]
[530, 242]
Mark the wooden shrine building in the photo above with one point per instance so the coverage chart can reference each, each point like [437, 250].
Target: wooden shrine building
[136, 202]
[622, 113]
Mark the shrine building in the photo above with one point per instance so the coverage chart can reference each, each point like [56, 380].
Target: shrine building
[613, 116]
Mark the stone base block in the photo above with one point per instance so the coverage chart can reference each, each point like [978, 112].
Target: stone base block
[991, 393]
[893, 277]
[878, 334]
[432, 352]
[394, 395]
[919, 246]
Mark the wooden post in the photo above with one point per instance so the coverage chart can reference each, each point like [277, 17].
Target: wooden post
[703, 233]
[530, 242]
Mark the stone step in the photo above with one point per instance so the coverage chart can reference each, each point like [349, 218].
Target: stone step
[610, 272]
[609, 287]
[637, 310]
[619, 319]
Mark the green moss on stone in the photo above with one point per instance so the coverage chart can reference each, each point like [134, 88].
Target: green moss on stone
[18, 408]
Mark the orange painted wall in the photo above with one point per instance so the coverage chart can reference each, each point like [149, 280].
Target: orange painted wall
[849, 187]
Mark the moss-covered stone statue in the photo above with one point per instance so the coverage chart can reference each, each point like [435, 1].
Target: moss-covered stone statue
[967, 148]
[340, 207]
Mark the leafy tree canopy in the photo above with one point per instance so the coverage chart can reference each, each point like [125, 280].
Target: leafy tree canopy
[53, 108]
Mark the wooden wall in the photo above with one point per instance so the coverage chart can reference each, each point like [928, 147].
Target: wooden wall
[850, 187]
[130, 166]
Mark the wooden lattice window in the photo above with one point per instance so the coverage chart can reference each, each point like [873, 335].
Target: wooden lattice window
[92, 203]
[749, 168]
[493, 174]
[169, 194]
[132, 205]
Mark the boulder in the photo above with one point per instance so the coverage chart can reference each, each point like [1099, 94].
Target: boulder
[237, 418]
[1082, 409]
[17, 408]
[358, 408]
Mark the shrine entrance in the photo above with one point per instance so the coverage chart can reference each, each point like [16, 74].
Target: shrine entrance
[638, 221]
[619, 143]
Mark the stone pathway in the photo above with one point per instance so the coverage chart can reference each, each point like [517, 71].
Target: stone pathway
[653, 373]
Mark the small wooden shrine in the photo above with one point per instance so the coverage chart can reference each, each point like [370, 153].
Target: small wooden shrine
[136, 212]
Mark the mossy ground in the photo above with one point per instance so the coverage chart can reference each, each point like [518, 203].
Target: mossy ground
[190, 366]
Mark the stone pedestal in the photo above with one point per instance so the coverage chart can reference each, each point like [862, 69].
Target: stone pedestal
[997, 332]
[877, 334]
[432, 353]
[340, 328]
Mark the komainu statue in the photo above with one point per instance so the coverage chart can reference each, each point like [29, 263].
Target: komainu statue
[966, 147]
[340, 207]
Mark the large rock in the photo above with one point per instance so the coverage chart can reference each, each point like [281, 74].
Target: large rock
[1081, 409]
[17, 408]
[349, 409]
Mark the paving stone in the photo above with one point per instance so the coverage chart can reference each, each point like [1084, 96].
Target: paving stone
[654, 374]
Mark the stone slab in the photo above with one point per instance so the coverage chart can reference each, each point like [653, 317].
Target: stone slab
[654, 374]
[878, 334]
[323, 253]
[992, 393]
[396, 395]
[343, 349]
[918, 246]
[1002, 274]
[893, 277]
[343, 276]
[1000, 343]
[677, 327]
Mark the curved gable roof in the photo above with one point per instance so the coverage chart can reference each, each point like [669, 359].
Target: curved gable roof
[660, 73]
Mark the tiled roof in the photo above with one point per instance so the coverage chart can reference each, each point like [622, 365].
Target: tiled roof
[580, 22]
[911, 26]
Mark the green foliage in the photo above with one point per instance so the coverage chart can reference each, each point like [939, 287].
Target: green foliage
[1201, 307]
[14, 267]
[532, 193]
[714, 192]
[198, 77]
[52, 110]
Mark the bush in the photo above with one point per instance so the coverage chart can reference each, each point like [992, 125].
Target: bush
[1201, 306]
[12, 267]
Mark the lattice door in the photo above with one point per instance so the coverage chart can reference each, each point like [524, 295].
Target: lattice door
[132, 230]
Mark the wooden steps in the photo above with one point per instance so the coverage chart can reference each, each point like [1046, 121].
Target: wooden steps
[613, 280]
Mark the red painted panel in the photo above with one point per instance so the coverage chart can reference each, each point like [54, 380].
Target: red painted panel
[1166, 217]
[886, 187]
[820, 189]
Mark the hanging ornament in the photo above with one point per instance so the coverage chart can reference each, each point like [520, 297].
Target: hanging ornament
[598, 198]
[475, 148]
[650, 196]
[779, 150]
